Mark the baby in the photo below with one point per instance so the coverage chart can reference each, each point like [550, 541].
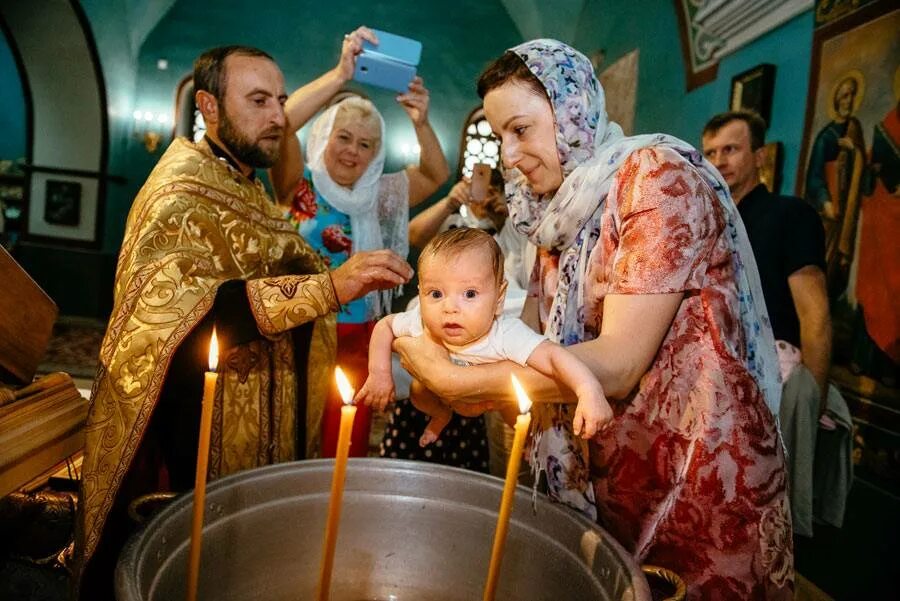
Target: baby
[461, 294]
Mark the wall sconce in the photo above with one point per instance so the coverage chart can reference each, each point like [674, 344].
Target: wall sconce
[149, 128]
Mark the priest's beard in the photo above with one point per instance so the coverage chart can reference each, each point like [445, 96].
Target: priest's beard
[244, 150]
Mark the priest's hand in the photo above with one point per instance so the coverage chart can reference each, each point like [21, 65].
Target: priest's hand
[366, 271]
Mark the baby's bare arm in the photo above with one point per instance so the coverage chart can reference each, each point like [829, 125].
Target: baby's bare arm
[593, 410]
[378, 389]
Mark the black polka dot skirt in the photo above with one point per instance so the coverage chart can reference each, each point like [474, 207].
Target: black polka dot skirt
[463, 443]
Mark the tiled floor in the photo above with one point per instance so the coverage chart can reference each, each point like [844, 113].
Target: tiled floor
[807, 591]
[859, 560]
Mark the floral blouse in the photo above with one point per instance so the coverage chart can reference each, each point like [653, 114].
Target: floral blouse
[328, 230]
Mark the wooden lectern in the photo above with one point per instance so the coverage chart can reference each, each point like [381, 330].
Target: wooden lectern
[41, 421]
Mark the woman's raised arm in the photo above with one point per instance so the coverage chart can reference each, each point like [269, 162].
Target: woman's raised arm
[305, 102]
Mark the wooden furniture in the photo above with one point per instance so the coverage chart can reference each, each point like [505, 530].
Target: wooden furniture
[26, 322]
[41, 421]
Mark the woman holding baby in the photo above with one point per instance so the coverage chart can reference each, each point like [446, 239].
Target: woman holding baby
[644, 273]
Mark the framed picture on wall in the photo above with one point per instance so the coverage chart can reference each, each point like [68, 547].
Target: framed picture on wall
[752, 90]
[62, 205]
[770, 172]
[63, 208]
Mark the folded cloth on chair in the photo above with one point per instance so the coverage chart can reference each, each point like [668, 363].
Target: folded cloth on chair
[833, 475]
[799, 417]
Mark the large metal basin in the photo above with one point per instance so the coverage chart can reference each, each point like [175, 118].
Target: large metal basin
[410, 531]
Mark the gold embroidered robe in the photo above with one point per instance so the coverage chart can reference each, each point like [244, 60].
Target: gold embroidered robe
[195, 224]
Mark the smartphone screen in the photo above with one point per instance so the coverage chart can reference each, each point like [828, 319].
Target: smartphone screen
[481, 180]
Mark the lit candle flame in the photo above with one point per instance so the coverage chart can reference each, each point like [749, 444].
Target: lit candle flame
[343, 385]
[524, 401]
[213, 352]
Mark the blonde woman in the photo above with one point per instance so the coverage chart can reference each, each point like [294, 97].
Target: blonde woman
[342, 202]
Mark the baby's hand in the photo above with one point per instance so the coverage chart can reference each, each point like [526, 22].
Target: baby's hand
[592, 412]
[378, 390]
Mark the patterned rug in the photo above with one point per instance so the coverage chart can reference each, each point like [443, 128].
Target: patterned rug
[74, 347]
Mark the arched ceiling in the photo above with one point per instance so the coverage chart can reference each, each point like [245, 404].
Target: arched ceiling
[142, 17]
[542, 19]
[532, 18]
[459, 39]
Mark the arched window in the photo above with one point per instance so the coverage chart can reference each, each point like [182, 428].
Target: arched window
[188, 119]
[479, 144]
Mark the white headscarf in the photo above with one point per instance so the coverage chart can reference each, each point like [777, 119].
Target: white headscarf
[360, 201]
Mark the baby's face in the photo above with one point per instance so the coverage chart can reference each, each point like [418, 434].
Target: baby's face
[459, 296]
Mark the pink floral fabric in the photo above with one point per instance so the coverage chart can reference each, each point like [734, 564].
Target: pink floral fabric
[690, 475]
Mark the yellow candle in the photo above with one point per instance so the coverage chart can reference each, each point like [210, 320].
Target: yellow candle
[348, 412]
[209, 396]
[509, 489]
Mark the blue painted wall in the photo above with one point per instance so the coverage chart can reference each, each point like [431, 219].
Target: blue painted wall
[109, 25]
[304, 38]
[12, 106]
[664, 105]
[454, 54]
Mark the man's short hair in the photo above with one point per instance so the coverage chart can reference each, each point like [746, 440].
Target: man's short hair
[754, 122]
[453, 241]
[209, 68]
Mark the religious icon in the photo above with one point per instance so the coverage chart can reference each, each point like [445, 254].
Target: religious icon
[849, 172]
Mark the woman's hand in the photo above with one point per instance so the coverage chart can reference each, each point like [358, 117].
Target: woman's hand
[352, 48]
[415, 102]
[424, 359]
[429, 363]
[459, 195]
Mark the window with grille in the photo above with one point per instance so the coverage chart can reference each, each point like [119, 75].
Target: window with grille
[188, 118]
[479, 144]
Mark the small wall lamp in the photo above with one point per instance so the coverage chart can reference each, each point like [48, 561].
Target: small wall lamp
[149, 128]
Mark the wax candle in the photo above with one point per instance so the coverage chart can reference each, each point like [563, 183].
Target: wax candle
[523, 421]
[209, 396]
[348, 412]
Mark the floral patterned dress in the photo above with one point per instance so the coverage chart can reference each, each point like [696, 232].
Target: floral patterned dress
[690, 474]
[328, 230]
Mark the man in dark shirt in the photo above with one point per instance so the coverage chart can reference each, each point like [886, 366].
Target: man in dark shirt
[787, 237]
[788, 242]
